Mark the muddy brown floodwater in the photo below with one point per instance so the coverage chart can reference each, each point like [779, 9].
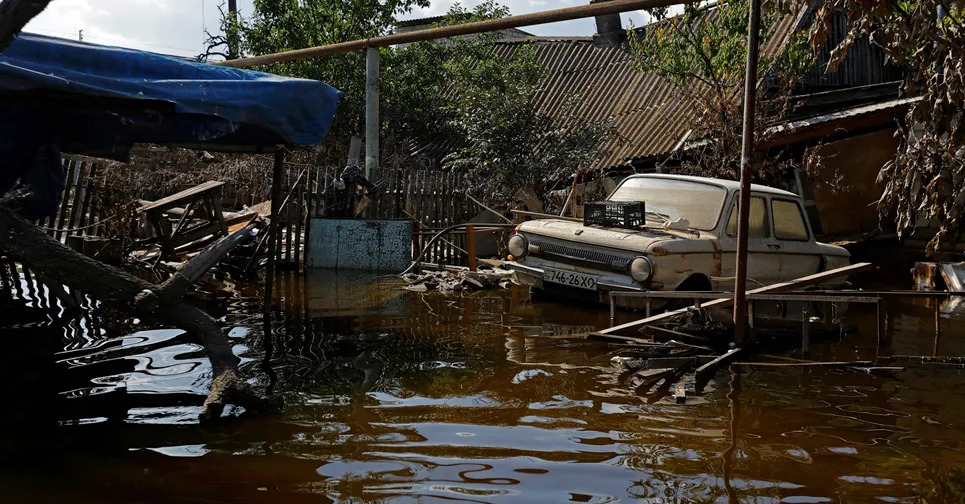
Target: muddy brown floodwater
[408, 397]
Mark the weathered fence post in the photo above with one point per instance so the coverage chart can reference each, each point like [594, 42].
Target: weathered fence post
[273, 228]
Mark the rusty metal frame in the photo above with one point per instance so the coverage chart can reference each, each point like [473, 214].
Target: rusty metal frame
[866, 297]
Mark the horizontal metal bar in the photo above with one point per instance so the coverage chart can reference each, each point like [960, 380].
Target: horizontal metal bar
[850, 296]
[750, 297]
[672, 294]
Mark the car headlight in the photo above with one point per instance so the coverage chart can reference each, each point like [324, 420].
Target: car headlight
[641, 269]
[518, 246]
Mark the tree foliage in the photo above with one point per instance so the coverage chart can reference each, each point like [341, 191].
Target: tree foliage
[504, 140]
[282, 25]
[703, 53]
[458, 94]
[926, 180]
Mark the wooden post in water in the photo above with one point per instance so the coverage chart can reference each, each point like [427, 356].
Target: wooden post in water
[747, 150]
[276, 194]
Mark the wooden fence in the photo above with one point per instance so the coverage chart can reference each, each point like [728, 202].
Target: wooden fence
[77, 214]
[433, 200]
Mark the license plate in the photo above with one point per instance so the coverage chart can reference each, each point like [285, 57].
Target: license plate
[573, 279]
[564, 330]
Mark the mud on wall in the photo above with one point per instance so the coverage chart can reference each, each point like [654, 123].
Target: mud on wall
[845, 187]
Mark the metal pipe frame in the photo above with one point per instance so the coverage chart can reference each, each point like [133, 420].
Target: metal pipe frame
[489, 25]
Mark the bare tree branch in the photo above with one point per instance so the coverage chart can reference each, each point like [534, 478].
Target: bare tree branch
[14, 15]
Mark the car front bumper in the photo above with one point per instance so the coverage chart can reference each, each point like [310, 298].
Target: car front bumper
[532, 275]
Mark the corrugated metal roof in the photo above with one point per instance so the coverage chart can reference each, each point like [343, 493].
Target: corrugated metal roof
[597, 83]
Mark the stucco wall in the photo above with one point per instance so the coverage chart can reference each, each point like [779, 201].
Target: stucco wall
[853, 165]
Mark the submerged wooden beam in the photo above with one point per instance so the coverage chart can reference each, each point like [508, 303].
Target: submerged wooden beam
[113, 286]
[797, 283]
[707, 371]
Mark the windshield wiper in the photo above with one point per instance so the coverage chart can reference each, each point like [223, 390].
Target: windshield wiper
[664, 219]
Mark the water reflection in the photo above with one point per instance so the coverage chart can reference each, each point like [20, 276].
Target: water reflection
[405, 397]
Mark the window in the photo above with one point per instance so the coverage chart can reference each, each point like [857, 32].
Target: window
[672, 199]
[757, 222]
[788, 220]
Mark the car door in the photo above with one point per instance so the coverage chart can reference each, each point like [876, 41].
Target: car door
[798, 252]
[763, 258]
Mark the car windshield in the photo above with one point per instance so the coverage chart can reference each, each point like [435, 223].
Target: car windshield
[666, 200]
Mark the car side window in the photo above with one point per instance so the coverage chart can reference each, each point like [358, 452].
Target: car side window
[757, 223]
[788, 220]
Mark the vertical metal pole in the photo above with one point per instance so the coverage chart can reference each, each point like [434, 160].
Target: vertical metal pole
[750, 101]
[613, 308]
[371, 113]
[938, 324]
[805, 330]
[233, 39]
[278, 174]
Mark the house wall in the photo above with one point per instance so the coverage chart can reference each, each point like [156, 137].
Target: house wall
[845, 188]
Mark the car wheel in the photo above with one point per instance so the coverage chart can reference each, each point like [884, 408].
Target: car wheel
[693, 283]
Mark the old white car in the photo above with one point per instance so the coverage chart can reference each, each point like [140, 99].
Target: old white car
[688, 242]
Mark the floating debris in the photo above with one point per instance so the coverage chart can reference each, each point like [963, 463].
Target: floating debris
[459, 279]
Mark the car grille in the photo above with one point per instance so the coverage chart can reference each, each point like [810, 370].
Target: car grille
[583, 256]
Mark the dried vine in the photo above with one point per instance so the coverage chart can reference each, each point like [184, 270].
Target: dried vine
[925, 183]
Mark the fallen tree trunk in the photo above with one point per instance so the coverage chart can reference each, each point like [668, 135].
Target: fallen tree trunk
[14, 15]
[165, 303]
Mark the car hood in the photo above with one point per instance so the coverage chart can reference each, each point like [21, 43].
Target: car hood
[625, 239]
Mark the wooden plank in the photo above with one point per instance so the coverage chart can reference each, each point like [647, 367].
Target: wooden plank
[62, 213]
[195, 233]
[774, 288]
[77, 203]
[805, 364]
[299, 219]
[287, 212]
[219, 213]
[675, 362]
[182, 197]
[86, 214]
[707, 371]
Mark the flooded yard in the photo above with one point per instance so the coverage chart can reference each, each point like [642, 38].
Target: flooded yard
[396, 396]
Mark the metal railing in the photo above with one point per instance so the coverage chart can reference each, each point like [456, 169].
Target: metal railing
[868, 297]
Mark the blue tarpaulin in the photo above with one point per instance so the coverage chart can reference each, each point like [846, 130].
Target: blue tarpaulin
[100, 100]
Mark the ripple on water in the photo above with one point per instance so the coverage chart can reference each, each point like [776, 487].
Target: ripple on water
[441, 398]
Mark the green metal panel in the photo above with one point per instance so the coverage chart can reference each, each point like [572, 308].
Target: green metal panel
[372, 245]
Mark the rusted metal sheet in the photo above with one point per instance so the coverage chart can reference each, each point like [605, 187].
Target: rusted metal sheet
[355, 244]
[864, 64]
